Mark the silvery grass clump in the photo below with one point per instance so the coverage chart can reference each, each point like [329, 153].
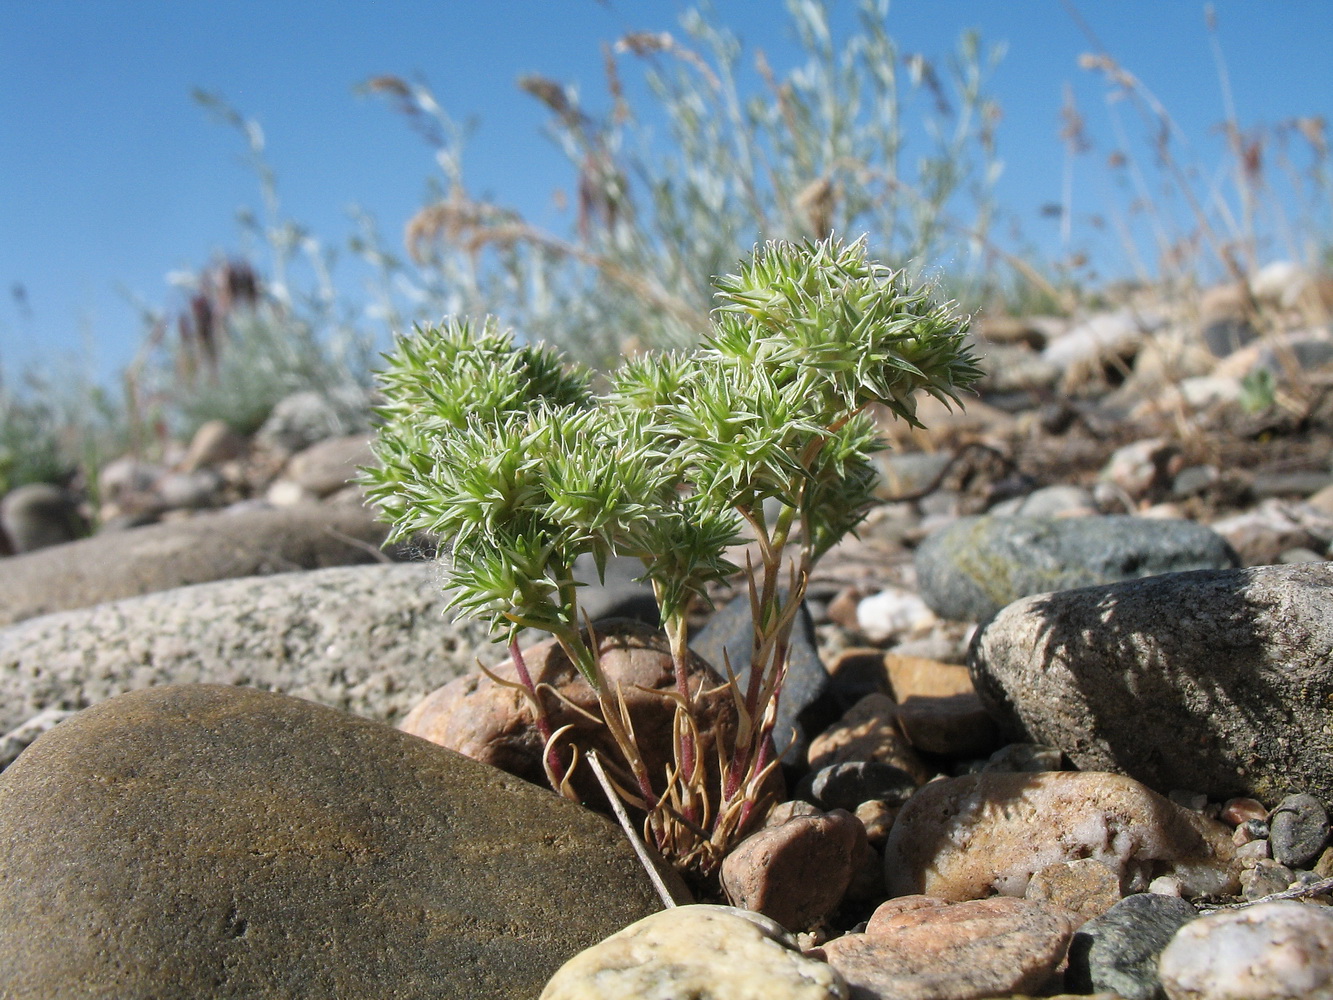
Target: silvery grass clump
[512, 458]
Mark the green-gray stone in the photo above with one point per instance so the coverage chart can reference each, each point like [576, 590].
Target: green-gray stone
[972, 568]
[225, 842]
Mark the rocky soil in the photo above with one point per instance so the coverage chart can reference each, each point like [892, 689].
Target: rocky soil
[1057, 722]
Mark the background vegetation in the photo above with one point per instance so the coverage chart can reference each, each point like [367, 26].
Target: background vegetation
[726, 153]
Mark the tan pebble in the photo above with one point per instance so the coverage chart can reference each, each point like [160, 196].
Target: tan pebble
[877, 817]
[867, 732]
[955, 726]
[705, 952]
[1084, 886]
[842, 609]
[213, 443]
[1324, 866]
[919, 947]
[938, 709]
[917, 676]
[1254, 851]
[859, 669]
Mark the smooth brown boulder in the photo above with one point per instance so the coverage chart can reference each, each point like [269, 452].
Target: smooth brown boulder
[200, 549]
[205, 841]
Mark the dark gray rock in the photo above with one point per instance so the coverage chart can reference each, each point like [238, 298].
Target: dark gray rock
[200, 549]
[808, 705]
[1228, 334]
[1214, 681]
[39, 515]
[972, 568]
[847, 785]
[1117, 952]
[617, 593]
[1298, 830]
[1024, 757]
[223, 842]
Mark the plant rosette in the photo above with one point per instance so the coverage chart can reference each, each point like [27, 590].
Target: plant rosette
[763, 434]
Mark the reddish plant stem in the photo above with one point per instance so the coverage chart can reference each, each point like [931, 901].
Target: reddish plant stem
[680, 664]
[543, 720]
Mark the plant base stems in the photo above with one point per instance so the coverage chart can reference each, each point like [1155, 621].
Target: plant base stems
[553, 761]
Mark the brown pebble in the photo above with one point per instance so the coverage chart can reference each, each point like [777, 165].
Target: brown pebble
[938, 708]
[1237, 811]
[842, 609]
[868, 731]
[796, 873]
[917, 947]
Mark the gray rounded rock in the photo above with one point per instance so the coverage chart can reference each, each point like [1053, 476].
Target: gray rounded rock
[972, 568]
[808, 705]
[222, 842]
[1117, 952]
[372, 640]
[207, 547]
[1298, 830]
[1215, 681]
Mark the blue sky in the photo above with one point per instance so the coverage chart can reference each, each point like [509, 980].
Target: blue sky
[111, 176]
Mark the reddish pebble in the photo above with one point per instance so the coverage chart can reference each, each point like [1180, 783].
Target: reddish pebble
[1237, 811]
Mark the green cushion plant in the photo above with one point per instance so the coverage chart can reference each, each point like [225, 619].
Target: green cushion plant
[763, 433]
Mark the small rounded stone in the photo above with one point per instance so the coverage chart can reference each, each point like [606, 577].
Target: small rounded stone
[1299, 830]
[1118, 950]
[1271, 951]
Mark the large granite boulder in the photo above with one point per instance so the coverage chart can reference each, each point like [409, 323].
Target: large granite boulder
[223, 842]
[1214, 681]
[200, 549]
[972, 568]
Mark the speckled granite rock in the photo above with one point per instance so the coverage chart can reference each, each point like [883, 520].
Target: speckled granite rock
[701, 952]
[975, 566]
[1217, 682]
[223, 842]
[200, 549]
[369, 639]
